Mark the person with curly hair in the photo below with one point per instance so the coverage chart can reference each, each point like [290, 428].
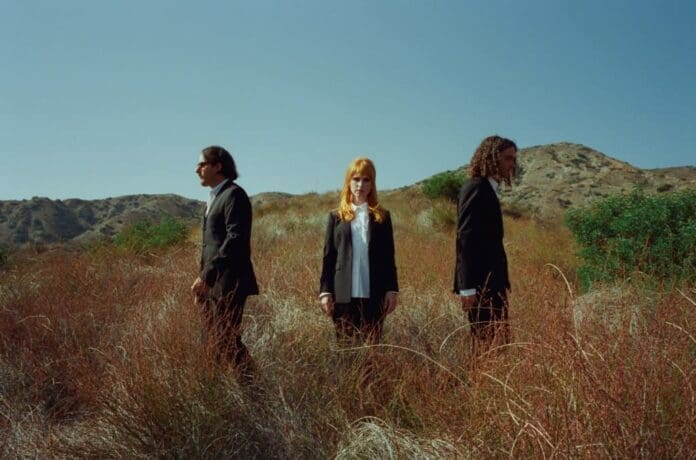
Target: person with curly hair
[358, 286]
[481, 271]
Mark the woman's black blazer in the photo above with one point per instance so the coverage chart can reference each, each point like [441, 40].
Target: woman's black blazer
[337, 268]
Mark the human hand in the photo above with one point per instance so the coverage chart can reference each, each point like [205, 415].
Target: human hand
[327, 304]
[199, 289]
[467, 302]
[390, 302]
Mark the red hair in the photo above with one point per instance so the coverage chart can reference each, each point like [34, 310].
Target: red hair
[361, 166]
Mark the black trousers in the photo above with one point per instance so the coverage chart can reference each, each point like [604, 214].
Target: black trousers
[489, 317]
[359, 321]
[222, 331]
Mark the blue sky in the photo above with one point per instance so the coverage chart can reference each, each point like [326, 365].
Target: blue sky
[103, 99]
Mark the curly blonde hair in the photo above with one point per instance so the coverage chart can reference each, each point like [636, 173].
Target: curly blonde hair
[361, 166]
[484, 162]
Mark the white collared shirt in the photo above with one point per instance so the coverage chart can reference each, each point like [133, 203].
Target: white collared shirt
[213, 193]
[359, 228]
[496, 186]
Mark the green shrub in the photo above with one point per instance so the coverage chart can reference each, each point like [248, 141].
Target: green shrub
[446, 185]
[145, 236]
[4, 258]
[444, 217]
[628, 233]
[665, 188]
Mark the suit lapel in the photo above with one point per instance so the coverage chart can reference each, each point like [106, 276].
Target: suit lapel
[216, 202]
[344, 228]
[489, 188]
[496, 201]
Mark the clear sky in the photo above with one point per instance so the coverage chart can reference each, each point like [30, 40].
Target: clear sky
[109, 98]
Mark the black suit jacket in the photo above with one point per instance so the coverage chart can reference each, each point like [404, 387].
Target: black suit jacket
[226, 254]
[337, 267]
[481, 260]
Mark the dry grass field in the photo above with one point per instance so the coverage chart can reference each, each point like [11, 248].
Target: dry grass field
[100, 356]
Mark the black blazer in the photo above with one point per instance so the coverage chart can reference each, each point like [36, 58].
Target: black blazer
[337, 267]
[226, 254]
[481, 260]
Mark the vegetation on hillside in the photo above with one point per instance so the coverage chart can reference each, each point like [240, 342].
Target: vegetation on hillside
[4, 257]
[633, 233]
[444, 185]
[100, 356]
[146, 236]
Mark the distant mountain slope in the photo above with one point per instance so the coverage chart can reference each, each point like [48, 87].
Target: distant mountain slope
[551, 178]
[42, 220]
[554, 177]
[265, 198]
[51, 221]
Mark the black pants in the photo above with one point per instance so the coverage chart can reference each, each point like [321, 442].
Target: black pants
[222, 332]
[359, 321]
[489, 318]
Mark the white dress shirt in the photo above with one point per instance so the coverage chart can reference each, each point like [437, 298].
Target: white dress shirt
[360, 270]
[495, 185]
[359, 228]
[213, 193]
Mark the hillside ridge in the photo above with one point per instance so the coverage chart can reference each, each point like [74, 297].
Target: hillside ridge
[554, 177]
[551, 178]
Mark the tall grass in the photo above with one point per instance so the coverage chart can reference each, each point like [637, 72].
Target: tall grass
[100, 357]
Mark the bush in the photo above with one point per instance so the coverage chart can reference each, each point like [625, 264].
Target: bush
[515, 210]
[665, 188]
[4, 257]
[622, 234]
[444, 217]
[145, 236]
[446, 185]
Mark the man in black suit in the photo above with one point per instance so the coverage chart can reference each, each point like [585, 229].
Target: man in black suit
[226, 275]
[481, 271]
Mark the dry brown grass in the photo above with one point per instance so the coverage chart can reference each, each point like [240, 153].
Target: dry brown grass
[101, 357]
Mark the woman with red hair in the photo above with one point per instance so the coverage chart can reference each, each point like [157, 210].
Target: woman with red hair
[359, 285]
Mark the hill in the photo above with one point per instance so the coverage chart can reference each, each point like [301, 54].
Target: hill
[42, 220]
[550, 179]
[554, 177]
